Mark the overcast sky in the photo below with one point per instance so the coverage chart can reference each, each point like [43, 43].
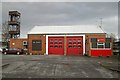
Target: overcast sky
[64, 13]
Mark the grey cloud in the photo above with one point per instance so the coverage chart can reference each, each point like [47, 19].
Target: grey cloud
[62, 13]
[0, 21]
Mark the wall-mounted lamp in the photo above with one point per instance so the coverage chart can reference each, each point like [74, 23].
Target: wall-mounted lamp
[13, 44]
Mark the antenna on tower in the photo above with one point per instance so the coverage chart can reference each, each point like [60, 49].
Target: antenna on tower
[100, 23]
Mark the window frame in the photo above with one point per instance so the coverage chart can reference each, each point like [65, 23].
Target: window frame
[92, 47]
[109, 47]
[100, 43]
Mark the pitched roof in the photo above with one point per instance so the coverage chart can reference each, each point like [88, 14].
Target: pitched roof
[65, 29]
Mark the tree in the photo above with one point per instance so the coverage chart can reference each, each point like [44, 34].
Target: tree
[5, 32]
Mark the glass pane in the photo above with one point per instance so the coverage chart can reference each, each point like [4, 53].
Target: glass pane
[107, 45]
[74, 40]
[60, 46]
[79, 46]
[74, 46]
[70, 41]
[108, 39]
[94, 45]
[100, 43]
[55, 41]
[51, 46]
[100, 46]
[55, 46]
[51, 40]
[79, 40]
[60, 41]
[93, 39]
[70, 46]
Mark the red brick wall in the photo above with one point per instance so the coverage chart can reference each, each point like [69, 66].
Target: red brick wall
[36, 37]
[43, 38]
[88, 37]
[17, 43]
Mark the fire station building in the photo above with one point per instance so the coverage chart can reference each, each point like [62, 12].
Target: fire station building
[68, 40]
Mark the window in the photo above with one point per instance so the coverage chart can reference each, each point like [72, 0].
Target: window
[70, 46]
[60, 46]
[55, 41]
[93, 40]
[51, 46]
[79, 46]
[55, 46]
[36, 45]
[70, 41]
[51, 41]
[79, 41]
[60, 41]
[107, 45]
[94, 45]
[74, 46]
[100, 45]
[108, 39]
[74, 41]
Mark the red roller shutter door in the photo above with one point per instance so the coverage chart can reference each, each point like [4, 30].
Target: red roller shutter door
[56, 45]
[75, 45]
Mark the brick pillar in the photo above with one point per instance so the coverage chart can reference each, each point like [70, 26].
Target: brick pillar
[65, 47]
